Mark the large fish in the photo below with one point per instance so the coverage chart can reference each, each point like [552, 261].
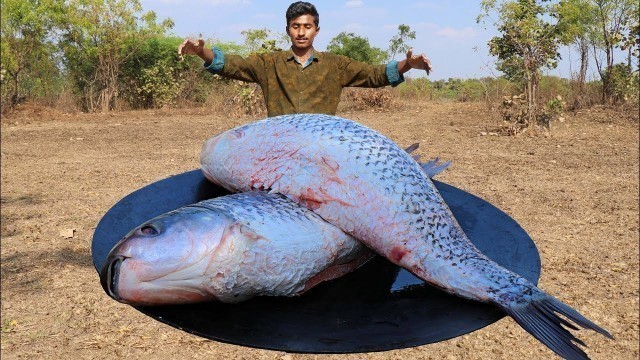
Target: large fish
[228, 249]
[361, 182]
[232, 248]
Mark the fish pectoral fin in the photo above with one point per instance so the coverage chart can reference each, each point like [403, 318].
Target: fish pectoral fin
[336, 271]
[246, 232]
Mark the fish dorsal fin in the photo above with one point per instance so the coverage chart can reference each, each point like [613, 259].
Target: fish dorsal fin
[431, 167]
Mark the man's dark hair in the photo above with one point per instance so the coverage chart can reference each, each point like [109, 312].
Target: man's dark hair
[300, 8]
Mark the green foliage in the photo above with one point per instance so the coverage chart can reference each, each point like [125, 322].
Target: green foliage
[415, 88]
[98, 37]
[556, 106]
[230, 47]
[484, 89]
[27, 52]
[528, 42]
[624, 84]
[357, 48]
[262, 41]
[399, 42]
[576, 20]
[614, 27]
[249, 99]
[631, 40]
[150, 76]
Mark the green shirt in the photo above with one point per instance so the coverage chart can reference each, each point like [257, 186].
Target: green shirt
[290, 87]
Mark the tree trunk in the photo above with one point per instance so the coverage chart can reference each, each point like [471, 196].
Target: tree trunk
[109, 74]
[584, 63]
[14, 96]
[583, 49]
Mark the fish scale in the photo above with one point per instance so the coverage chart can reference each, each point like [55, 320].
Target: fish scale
[360, 181]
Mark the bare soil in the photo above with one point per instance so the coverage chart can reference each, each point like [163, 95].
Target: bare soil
[574, 190]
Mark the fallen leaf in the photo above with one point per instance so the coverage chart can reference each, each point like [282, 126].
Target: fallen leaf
[67, 233]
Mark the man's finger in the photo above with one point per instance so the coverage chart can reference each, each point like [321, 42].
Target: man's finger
[180, 52]
[182, 49]
[410, 53]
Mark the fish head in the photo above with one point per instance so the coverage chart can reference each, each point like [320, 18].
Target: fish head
[164, 260]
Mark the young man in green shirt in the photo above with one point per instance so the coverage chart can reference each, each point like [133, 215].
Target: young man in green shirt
[302, 80]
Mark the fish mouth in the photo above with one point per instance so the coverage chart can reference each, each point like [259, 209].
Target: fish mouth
[110, 275]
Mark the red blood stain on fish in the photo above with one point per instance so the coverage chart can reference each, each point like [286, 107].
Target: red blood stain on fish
[397, 253]
[311, 199]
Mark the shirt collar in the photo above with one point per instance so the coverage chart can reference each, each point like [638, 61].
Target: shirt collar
[311, 59]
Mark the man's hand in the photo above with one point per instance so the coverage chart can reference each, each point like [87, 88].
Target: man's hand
[418, 61]
[190, 47]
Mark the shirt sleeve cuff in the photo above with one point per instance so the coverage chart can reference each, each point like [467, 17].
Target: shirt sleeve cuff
[395, 78]
[218, 61]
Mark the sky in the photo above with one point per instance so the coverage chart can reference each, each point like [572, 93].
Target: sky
[446, 30]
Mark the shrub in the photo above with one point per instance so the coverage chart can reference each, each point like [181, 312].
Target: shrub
[360, 99]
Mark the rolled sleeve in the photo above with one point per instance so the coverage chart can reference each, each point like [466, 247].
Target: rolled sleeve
[218, 61]
[395, 78]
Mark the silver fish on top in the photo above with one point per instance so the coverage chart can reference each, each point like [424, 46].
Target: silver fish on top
[230, 249]
[361, 182]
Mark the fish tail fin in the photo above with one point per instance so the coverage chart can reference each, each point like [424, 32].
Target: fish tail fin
[539, 317]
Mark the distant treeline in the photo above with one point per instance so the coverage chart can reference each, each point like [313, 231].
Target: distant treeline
[102, 55]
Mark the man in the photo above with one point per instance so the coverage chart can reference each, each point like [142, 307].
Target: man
[302, 80]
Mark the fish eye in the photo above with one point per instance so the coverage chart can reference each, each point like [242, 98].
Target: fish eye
[149, 230]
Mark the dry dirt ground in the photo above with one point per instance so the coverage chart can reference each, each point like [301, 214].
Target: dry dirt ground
[574, 190]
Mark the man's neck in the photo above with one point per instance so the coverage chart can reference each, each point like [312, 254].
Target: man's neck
[302, 55]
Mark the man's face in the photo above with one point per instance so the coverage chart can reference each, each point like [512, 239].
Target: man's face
[302, 30]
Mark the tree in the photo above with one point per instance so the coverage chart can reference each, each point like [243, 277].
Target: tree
[26, 48]
[576, 19]
[357, 48]
[613, 19]
[98, 37]
[399, 42]
[528, 43]
[631, 40]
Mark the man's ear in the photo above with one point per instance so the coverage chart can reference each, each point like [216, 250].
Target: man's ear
[317, 29]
